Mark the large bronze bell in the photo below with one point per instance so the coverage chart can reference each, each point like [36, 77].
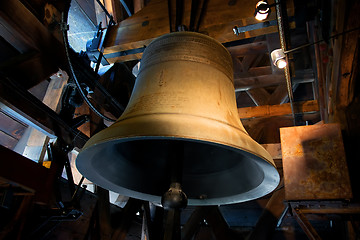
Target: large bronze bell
[183, 94]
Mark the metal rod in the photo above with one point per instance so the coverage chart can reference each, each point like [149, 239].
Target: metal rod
[69, 174]
[169, 14]
[106, 12]
[319, 41]
[202, 12]
[284, 43]
[179, 14]
[194, 7]
[126, 7]
[77, 188]
[172, 230]
[98, 62]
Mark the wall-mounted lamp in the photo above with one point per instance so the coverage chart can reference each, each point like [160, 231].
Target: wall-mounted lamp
[262, 10]
[278, 58]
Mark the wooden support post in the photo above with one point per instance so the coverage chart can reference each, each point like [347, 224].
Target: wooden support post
[128, 215]
[213, 217]
[193, 223]
[259, 96]
[14, 229]
[274, 150]
[270, 216]
[146, 229]
[218, 224]
[103, 213]
[349, 60]
[350, 231]
[172, 225]
[15, 168]
[78, 229]
[305, 225]
[279, 96]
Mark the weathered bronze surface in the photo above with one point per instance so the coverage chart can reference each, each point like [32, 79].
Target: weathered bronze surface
[314, 163]
[184, 92]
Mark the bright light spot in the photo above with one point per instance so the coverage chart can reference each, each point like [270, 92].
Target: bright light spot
[262, 10]
[281, 63]
[261, 16]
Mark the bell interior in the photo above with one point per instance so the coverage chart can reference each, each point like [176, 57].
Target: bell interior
[210, 171]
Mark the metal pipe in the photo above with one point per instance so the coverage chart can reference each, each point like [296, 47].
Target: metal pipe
[72, 72]
[126, 7]
[281, 18]
[201, 16]
[77, 189]
[169, 14]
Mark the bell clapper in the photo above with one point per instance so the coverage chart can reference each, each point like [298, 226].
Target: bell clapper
[174, 199]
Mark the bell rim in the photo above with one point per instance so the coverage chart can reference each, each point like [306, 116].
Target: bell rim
[270, 182]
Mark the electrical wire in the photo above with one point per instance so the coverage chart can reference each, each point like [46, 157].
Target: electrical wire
[64, 29]
[323, 40]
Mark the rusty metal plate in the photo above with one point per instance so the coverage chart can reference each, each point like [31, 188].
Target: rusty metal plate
[314, 163]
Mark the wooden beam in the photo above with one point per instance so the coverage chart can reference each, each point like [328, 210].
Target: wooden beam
[77, 229]
[193, 223]
[305, 225]
[274, 149]
[146, 229]
[258, 71]
[88, 7]
[153, 21]
[244, 84]
[7, 140]
[270, 216]
[128, 215]
[11, 126]
[34, 112]
[241, 67]
[349, 60]
[14, 229]
[27, 34]
[138, 5]
[278, 110]
[103, 213]
[16, 168]
[269, 127]
[218, 223]
[249, 48]
[33, 145]
[283, 121]
[259, 96]
[279, 96]
[215, 219]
